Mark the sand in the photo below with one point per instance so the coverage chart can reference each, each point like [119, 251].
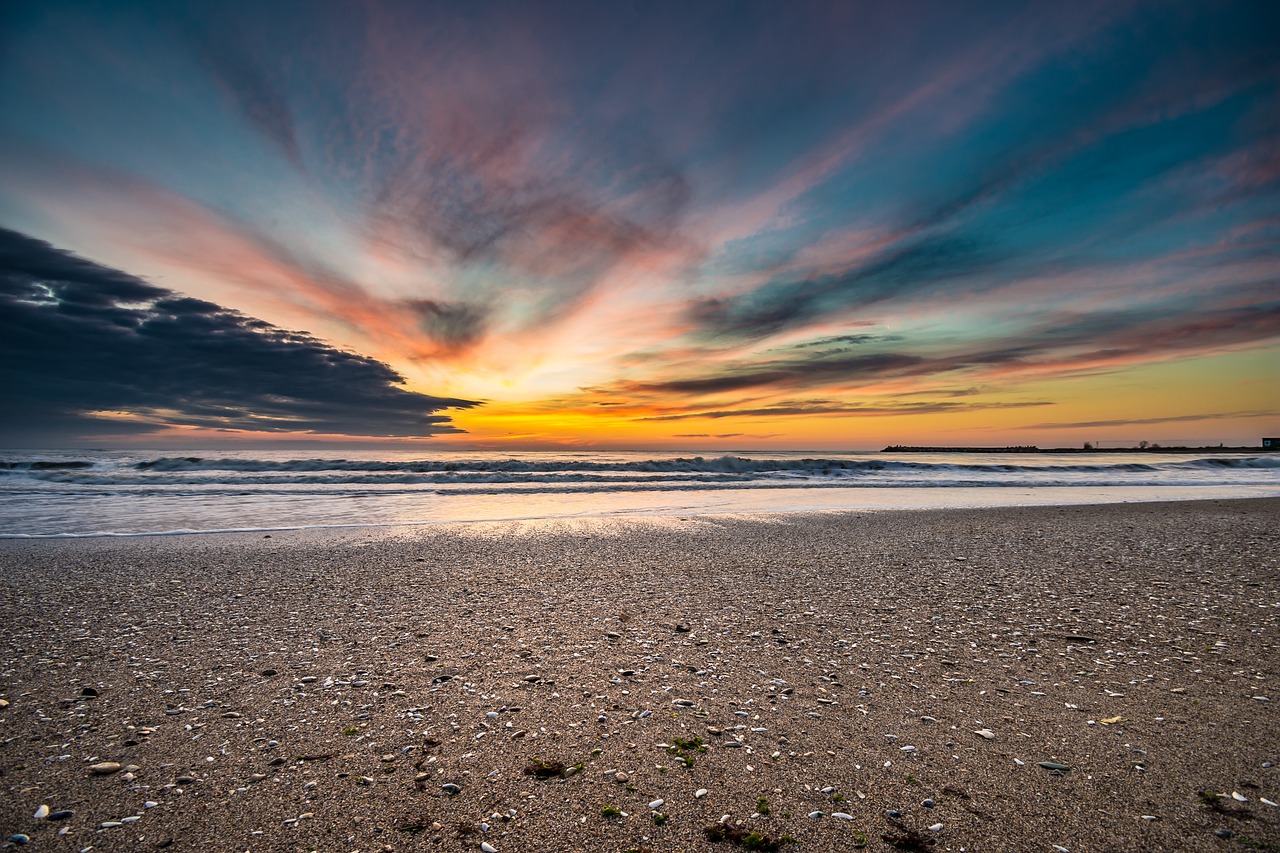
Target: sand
[318, 690]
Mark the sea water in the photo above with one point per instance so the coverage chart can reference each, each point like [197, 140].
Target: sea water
[79, 493]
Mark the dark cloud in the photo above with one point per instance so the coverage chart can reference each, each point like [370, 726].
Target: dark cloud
[78, 338]
[456, 326]
[1208, 416]
[841, 368]
[919, 265]
[726, 435]
[837, 409]
[247, 85]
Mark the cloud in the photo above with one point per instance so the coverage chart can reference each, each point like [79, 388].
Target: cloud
[1208, 416]
[78, 340]
[918, 265]
[247, 85]
[726, 435]
[836, 409]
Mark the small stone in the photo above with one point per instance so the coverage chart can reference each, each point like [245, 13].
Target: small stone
[698, 794]
[621, 776]
[815, 815]
[842, 815]
[1266, 802]
[104, 768]
[365, 780]
[42, 812]
[1225, 834]
[150, 804]
[450, 788]
[60, 814]
[893, 814]
[110, 824]
[928, 804]
[1053, 765]
[937, 827]
[88, 693]
[1149, 817]
[657, 804]
[185, 780]
[267, 673]
[487, 847]
[1239, 797]
[308, 679]
[986, 734]
[18, 838]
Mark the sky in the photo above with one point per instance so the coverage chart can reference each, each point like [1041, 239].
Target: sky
[486, 225]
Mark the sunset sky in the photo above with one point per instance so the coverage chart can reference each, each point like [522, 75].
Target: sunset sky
[678, 226]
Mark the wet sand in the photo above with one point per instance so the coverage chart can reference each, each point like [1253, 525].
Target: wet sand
[912, 671]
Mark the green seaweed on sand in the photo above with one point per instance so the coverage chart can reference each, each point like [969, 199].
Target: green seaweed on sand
[659, 818]
[746, 840]
[541, 768]
[352, 730]
[610, 812]
[680, 745]
[762, 806]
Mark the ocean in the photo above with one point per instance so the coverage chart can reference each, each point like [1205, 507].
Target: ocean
[121, 493]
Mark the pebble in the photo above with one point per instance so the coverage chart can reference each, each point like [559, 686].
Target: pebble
[621, 776]
[60, 814]
[104, 768]
[937, 827]
[1266, 802]
[487, 847]
[842, 815]
[450, 788]
[1149, 817]
[893, 814]
[1239, 797]
[18, 838]
[657, 804]
[986, 734]
[698, 794]
[1224, 834]
[1053, 765]
[928, 804]
[42, 812]
[815, 815]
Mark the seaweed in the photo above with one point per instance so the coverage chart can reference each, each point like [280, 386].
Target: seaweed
[746, 840]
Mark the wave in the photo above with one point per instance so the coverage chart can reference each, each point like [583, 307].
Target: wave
[695, 464]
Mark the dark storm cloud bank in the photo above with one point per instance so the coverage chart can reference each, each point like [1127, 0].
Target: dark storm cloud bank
[78, 338]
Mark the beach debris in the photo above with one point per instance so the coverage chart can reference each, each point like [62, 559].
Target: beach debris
[451, 788]
[1055, 766]
[486, 847]
[60, 814]
[815, 815]
[842, 816]
[41, 813]
[747, 840]
[1111, 721]
[700, 793]
[985, 734]
[104, 768]
[1239, 797]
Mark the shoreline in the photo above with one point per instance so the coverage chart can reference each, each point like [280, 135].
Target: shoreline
[317, 689]
[944, 499]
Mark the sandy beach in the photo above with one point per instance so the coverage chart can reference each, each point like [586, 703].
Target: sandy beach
[1086, 678]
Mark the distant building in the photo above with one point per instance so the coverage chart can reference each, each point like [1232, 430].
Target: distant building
[1271, 444]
